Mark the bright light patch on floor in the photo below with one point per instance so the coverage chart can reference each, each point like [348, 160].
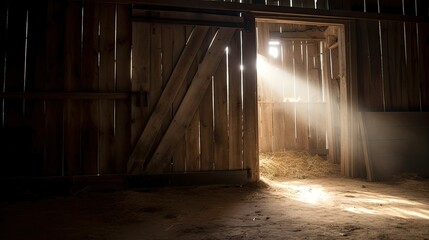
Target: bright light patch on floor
[356, 202]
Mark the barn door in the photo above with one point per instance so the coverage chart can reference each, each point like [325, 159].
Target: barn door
[189, 113]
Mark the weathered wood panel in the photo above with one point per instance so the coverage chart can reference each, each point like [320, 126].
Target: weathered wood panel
[221, 117]
[235, 104]
[73, 74]
[54, 158]
[146, 141]
[424, 64]
[90, 77]
[412, 79]
[206, 124]
[106, 83]
[13, 135]
[265, 123]
[393, 66]
[191, 101]
[370, 78]
[192, 143]
[140, 79]
[36, 73]
[123, 84]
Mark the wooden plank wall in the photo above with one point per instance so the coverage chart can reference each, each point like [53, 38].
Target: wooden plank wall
[292, 111]
[214, 139]
[56, 47]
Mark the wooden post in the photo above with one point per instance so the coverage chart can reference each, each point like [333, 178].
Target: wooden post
[250, 110]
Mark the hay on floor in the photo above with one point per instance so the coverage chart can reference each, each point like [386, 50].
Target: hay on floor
[295, 164]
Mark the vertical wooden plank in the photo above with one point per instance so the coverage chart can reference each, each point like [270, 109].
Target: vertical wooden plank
[264, 86]
[278, 127]
[90, 77]
[13, 134]
[155, 66]
[72, 77]
[301, 126]
[15, 63]
[206, 119]
[370, 58]
[36, 75]
[320, 124]
[315, 93]
[123, 84]
[106, 83]
[179, 157]
[55, 82]
[192, 143]
[3, 39]
[301, 95]
[376, 81]
[412, 78]
[140, 78]
[424, 64]
[235, 104]
[333, 96]
[393, 66]
[250, 117]
[300, 71]
[289, 96]
[265, 127]
[221, 141]
[364, 61]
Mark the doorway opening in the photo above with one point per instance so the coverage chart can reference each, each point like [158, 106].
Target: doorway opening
[301, 71]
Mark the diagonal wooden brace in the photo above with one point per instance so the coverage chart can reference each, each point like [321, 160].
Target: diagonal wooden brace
[153, 127]
[191, 101]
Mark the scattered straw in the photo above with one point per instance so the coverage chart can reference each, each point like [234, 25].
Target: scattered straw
[295, 164]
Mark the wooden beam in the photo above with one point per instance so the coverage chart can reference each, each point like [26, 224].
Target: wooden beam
[65, 95]
[306, 35]
[177, 78]
[264, 10]
[189, 18]
[191, 101]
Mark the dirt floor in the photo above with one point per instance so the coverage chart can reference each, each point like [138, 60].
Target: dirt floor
[279, 207]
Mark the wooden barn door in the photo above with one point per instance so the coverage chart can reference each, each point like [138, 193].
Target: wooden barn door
[191, 113]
